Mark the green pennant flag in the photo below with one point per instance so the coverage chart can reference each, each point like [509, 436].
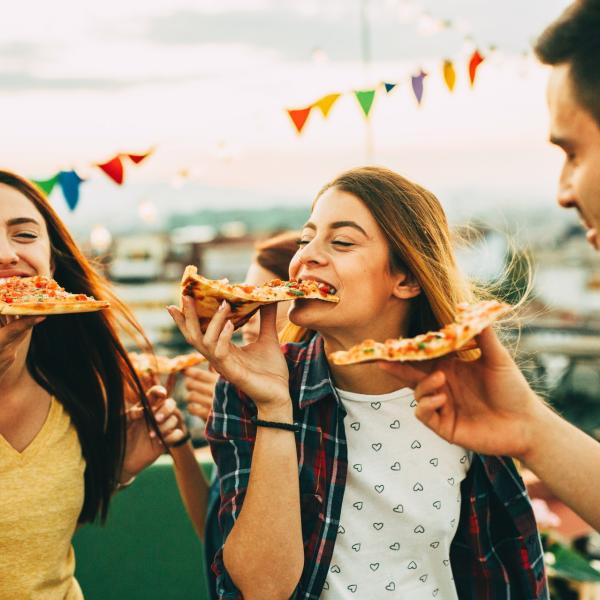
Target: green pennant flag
[46, 185]
[365, 99]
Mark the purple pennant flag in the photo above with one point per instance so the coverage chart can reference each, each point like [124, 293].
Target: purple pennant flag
[69, 182]
[417, 85]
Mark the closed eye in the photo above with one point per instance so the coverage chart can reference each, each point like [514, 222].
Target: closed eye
[26, 235]
[343, 244]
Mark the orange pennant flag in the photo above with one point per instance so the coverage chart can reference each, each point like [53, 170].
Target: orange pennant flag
[476, 60]
[325, 103]
[138, 158]
[299, 117]
[449, 74]
[114, 169]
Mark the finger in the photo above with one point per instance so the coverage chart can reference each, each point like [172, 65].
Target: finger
[206, 389]
[179, 319]
[268, 321]
[430, 385]
[174, 436]
[170, 424]
[191, 320]
[16, 329]
[156, 394]
[427, 411]
[195, 374]
[199, 410]
[490, 345]
[135, 413]
[192, 398]
[215, 327]
[224, 341]
[165, 410]
[411, 374]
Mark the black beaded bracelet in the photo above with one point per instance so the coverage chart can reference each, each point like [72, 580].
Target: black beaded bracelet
[184, 440]
[295, 427]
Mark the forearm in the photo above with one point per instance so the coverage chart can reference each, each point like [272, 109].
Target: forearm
[193, 488]
[568, 462]
[264, 553]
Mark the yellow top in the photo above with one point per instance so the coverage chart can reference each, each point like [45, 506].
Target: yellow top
[41, 495]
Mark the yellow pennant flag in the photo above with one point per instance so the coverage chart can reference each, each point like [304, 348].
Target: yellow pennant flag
[449, 74]
[325, 103]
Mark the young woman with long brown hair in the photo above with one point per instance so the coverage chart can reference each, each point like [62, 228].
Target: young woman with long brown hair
[66, 385]
[330, 486]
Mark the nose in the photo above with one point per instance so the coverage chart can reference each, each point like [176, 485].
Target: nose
[8, 256]
[566, 196]
[312, 254]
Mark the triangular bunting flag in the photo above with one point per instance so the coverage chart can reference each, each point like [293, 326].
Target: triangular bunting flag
[476, 60]
[298, 117]
[114, 169]
[325, 103]
[365, 99]
[46, 185]
[417, 85]
[138, 158]
[69, 182]
[389, 86]
[449, 74]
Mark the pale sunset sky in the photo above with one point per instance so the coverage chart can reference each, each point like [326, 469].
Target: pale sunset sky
[206, 83]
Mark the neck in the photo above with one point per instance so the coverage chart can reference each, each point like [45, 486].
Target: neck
[364, 378]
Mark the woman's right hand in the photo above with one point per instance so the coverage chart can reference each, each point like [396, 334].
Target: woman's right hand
[257, 369]
[13, 330]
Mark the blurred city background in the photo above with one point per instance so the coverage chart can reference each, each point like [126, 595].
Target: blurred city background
[174, 132]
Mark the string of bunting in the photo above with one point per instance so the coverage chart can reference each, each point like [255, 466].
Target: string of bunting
[366, 98]
[69, 181]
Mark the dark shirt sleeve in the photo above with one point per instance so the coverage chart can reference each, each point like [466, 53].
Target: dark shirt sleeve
[231, 436]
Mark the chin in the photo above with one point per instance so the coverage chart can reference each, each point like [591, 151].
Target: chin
[311, 314]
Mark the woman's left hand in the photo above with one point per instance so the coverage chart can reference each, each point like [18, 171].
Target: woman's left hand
[143, 446]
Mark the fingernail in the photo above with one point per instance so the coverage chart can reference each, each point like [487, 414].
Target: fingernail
[160, 418]
[223, 305]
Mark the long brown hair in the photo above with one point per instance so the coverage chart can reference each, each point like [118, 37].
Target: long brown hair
[418, 237]
[80, 360]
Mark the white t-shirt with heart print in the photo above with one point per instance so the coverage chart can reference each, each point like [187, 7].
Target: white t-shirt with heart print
[401, 504]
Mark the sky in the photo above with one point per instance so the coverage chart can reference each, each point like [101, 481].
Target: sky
[206, 84]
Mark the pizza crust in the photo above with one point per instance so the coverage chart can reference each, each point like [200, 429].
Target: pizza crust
[471, 320]
[208, 294]
[52, 308]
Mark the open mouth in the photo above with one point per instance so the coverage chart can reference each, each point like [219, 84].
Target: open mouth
[323, 285]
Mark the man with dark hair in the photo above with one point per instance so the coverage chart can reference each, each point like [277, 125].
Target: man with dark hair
[487, 405]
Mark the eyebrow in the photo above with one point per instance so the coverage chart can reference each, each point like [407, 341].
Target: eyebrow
[339, 225]
[22, 221]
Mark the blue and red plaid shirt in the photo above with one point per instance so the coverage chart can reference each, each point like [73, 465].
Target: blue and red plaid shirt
[496, 552]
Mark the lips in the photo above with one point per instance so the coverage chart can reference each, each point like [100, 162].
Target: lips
[13, 273]
[332, 288]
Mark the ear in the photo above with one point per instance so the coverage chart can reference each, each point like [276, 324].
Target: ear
[406, 286]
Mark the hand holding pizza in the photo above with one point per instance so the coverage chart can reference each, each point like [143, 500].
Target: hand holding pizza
[143, 447]
[257, 369]
[13, 331]
[485, 405]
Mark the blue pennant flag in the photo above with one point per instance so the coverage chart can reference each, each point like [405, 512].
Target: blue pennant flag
[69, 182]
[389, 86]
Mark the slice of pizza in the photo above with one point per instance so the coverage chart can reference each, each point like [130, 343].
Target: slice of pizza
[41, 295]
[471, 320]
[153, 364]
[245, 300]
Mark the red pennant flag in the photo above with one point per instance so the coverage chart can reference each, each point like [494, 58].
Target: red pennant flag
[476, 60]
[114, 169]
[299, 117]
[138, 158]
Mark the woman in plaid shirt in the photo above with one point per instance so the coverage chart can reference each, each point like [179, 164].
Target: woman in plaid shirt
[330, 487]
